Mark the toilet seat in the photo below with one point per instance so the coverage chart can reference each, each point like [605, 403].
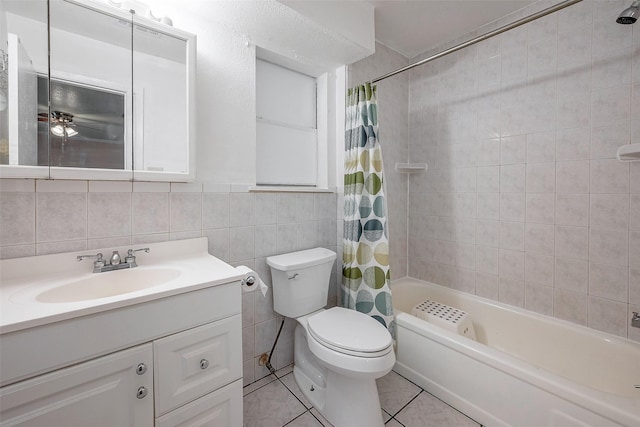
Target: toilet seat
[350, 332]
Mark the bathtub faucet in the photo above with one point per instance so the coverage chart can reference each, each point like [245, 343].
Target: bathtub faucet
[635, 320]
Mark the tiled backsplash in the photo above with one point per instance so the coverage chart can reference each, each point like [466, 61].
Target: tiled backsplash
[40, 217]
[524, 201]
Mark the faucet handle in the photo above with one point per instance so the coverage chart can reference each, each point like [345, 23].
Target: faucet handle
[130, 258]
[98, 263]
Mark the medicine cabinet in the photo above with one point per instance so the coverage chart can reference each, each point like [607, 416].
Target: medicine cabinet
[91, 91]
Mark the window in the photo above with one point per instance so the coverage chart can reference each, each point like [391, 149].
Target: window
[286, 127]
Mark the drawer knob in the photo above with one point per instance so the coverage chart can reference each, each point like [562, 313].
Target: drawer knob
[204, 364]
[141, 369]
[142, 392]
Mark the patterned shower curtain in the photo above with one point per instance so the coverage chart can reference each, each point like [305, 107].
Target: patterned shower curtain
[365, 263]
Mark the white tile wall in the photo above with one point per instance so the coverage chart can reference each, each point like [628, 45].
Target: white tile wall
[394, 103]
[557, 217]
[42, 217]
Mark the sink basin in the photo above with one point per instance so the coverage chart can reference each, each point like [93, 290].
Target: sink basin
[108, 284]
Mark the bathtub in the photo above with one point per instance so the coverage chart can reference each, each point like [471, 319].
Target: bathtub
[524, 370]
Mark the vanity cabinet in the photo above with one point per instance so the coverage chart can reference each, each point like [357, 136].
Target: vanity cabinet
[195, 362]
[113, 390]
[186, 372]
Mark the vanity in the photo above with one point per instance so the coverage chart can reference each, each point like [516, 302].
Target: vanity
[158, 344]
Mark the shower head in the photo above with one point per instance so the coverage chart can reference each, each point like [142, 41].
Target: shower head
[630, 15]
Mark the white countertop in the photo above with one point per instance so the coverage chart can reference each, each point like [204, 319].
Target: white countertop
[23, 279]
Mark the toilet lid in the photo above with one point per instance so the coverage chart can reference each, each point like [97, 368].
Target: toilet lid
[349, 330]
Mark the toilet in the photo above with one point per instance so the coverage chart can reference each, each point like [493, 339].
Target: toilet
[338, 353]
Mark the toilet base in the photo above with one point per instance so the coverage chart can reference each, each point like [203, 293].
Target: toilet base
[314, 393]
[352, 402]
[346, 402]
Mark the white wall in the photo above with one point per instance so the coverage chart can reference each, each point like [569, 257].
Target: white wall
[228, 33]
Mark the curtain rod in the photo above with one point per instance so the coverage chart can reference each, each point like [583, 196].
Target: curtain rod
[478, 39]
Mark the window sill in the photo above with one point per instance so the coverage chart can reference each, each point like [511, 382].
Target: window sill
[289, 189]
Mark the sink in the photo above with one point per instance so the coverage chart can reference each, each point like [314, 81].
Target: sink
[108, 284]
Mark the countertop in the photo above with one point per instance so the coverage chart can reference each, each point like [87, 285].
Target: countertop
[23, 279]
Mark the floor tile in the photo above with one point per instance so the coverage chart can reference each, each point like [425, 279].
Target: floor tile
[393, 423]
[395, 392]
[322, 419]
[385, 416]
[305, 420]
[271, 406]
[284, 371]
[256, 385]
[290, 382]
[427, 410]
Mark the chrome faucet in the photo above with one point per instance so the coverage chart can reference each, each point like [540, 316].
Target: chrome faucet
[98, 264]
[115, 262]
[131, 258]
[635, 320]
[115, 258]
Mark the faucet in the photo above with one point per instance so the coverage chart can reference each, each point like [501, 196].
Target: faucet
[98, 264]
[131, 258]
[635, 320]
[115, 262]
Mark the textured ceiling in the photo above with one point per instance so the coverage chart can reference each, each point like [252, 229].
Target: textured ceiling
[412, 27]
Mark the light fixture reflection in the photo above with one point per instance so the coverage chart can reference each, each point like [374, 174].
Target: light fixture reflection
[64, 122]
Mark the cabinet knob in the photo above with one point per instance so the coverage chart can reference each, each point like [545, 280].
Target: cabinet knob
[204, 364]
[141, 369]
[142, 392]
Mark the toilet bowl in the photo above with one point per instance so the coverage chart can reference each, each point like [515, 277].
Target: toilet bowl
[338, 353]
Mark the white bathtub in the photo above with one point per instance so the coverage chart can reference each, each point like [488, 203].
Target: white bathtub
[525, 370]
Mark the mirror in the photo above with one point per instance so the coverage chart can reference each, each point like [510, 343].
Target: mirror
[161, 66]
[90, 96]
[112, 102]
[23, 57]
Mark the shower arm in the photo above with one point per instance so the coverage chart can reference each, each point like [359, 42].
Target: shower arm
[478, 39]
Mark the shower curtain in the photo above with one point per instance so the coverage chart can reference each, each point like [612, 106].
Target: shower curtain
[365, 260]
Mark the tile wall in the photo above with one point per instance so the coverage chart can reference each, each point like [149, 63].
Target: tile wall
[39, 217]
[524, 201]
[393, 121]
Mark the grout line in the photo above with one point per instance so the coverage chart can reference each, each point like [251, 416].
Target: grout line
[313, 415]
[294, 395]
[457, 410]
[295, 418]
[407, 404]
[394, 419]
[265, 384]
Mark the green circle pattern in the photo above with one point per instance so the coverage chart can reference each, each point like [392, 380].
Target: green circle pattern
[366, 275]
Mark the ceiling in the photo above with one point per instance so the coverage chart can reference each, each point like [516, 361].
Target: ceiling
[411, 27]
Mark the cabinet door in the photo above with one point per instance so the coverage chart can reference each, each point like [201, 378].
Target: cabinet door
[192, 363]
[105, 392]
[222, 408]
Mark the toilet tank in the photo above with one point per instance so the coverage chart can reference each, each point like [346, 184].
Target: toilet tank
[300, 281]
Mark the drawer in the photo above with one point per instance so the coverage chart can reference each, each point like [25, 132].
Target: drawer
[33, 351]
[195, 362]
[221, 408]
[113, 390]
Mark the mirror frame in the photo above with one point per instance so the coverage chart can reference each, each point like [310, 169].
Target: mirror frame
[56, 172]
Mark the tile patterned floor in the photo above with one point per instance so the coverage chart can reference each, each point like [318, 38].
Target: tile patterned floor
[276, 401]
